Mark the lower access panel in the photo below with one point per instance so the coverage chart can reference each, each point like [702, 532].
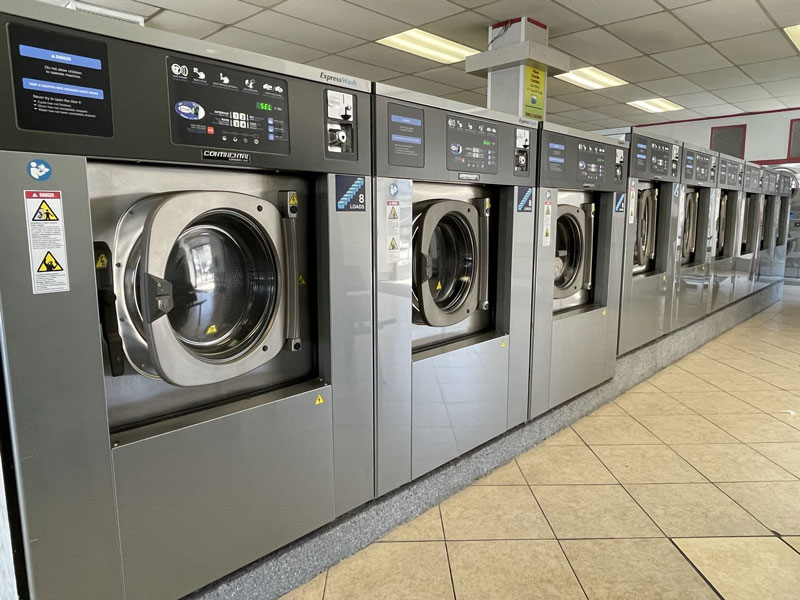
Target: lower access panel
[200, 501]
[645, 310]
[459, 401]
[723, 281]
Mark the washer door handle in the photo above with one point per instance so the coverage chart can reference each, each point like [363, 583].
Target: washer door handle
[588, 209]
[158, 293]
[290, 208]
[484, 207]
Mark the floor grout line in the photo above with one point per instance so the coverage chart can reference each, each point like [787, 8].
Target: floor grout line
[696, 569]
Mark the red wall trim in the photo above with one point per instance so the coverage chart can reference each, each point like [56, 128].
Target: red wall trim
[789, 143]
[744, 114]
[517, 20]
[772, 161]
[738, 126]
[537, 23]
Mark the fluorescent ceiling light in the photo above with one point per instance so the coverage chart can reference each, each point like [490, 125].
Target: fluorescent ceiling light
[794, 34]
[655, 105]
[591, 78]
[429, 46]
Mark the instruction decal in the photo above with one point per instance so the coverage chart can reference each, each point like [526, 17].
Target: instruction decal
[547, 223]
[619, 206]
[350, 194]
[47, 244]
[524, 199]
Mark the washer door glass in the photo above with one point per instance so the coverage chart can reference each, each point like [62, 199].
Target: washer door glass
[452, 258]
[224, 279]
[569, 252]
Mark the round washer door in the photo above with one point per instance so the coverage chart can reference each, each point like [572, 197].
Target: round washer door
[570, 251]
[446, 261]
[212, 284]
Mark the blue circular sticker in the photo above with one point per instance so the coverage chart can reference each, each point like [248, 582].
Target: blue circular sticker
[39, 169]
[190, 110]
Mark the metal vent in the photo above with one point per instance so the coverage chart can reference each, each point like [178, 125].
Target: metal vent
[98, 10]
[729, 139]
[794, 138]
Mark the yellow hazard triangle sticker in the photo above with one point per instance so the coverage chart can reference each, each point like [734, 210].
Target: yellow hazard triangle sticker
[102, 262]
[301, 280]
[212, 329]
[319, 400]
[503, 344]
[49, 263]
[393, 213]
[293, 199]
[393, 244]
[438, 286]
[44, 213]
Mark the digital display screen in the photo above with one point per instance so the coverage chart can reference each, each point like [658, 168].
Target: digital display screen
[556, 157]
[264, 106]
[591, 162]
[688, 165]
[406, 136]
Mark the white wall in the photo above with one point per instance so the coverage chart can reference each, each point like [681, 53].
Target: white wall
[767, 133]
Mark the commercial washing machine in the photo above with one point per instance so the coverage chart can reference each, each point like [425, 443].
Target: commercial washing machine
[186, 304]
[578, 263]
[751, 214]
[696, 239]
[772, 259]
[727, 230]
[453, 257]
[648, 265]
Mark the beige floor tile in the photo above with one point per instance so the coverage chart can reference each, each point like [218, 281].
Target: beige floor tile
[734, 382]
[518, 569]
[312, 590]
[773, 401]
[645, 386]
[642, 569]
[746, 568]
[508, 474]
[789, 417]
[755, 365]
[593, 511]
[786, 455]
[396, 571]
[499, 512]
[686, 429]
[565, 437]
[685, 382]
[785, 381]
[613, 430]
[610, 409]
[647, 464]
[718, 351]
[694, 510]
[793, 541]
[425, 528]
[775, 504]
[654, 403]
[548, 465]
[714, 403]
[731, 462]
[756, 428]
[672, 370]
[702, 364]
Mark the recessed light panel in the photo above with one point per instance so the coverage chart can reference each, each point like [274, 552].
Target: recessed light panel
[794, 34]
[591, 78]
[655, 105]
[427, 45]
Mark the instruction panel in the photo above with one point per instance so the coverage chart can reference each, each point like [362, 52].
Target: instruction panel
[47, 243]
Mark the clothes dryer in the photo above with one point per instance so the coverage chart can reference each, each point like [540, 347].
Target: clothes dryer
[453, 256]
[578, 262]
[186, 318]
[727, 230]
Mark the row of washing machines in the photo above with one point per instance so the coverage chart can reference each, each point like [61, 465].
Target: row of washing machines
[240, 297]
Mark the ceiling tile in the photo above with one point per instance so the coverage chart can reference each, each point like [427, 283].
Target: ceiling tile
[645, 118]
[721, 19]
[634, 70]
[681, 115]
[693, 59]
[791, 101]
[554, 105]
[342, 16]
[655, 33]
[455, 77]
[671, 86]
[347, 66]
[247, 40]
[787, 87]
[287, 28]
[468, 97]
[584, 114]
[626, 93]
[695, 100]
[471, 3]
[785, 12]
[609, 12]
[741, 94]
[558, 19]
[556, 87]
[586, 99]
[389, 58]
[594, 45]
[222, 11]
[418, 84]
[559, 119]
[173, 22]
[416, 12]
[773, 70]
[718, 110]
[622, 111]
[468, 28]
[128, 6]
[612, 122]
[756, 48]
[264, 3]
[678, 3]
[720, 78]
[481, 91]
[757, 105]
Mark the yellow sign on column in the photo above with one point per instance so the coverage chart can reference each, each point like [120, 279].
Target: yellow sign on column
[534, 89]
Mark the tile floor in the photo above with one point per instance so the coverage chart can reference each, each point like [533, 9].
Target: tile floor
[685, 487]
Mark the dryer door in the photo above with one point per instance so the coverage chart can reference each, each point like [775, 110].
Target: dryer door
[213, 286]
[450, 260]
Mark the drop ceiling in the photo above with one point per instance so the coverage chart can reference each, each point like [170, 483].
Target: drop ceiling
[714, 57]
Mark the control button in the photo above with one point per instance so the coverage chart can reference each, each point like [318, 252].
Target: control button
[255, 141]
[271, 137]
[269, 120]
[270, 129]
[235, 139]
[456, 148]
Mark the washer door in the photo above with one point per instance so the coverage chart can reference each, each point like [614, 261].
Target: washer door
[689, 239]
[213, 286]
[645, 246]
[570, 249]
[450, 261]
[722, 223]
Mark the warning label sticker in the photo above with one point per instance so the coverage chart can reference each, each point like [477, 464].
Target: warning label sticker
[547, 221]
[47, 243]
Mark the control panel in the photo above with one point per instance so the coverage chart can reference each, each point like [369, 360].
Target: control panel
[471, 145]
[571, 162]
[340, 124]
[699, 168]
[770, 182]
[731, 174]
[654, 159]
[784, 184]
[752, 179]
